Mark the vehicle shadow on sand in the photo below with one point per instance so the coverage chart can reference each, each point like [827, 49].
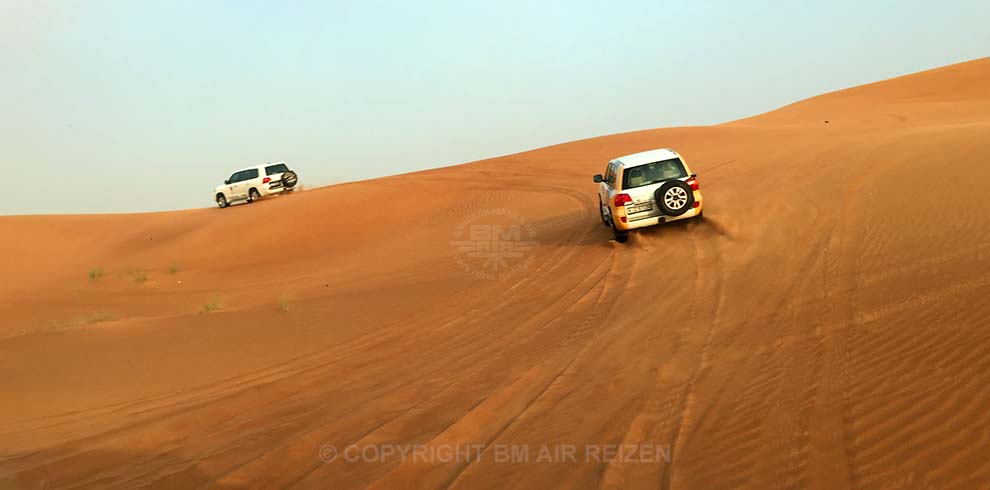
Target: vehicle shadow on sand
[580, 228]
[708, 227]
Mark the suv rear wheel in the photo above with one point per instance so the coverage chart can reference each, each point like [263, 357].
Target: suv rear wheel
[253, 195]
[620, 235]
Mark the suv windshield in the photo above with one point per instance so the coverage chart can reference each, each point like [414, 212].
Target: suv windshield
[276, 169]
[653, 173]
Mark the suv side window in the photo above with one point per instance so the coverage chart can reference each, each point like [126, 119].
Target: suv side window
[234, 178]
[249, 174]
[610, 177]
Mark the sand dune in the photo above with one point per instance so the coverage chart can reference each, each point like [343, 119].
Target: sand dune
[825, 326]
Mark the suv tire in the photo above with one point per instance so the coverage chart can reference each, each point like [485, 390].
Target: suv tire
[620, 235]
[601, 211]
[289, 179]
[222, 201]
[253, 195]
[674, 198]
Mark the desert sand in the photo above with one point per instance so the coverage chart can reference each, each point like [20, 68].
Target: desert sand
[827, 325]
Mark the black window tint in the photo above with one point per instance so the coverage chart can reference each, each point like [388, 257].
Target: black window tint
[276, 169]
[652, 173]
[250, 174]
[235, 178]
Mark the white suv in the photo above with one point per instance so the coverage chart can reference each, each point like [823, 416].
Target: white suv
[647, 189]
[253, 183]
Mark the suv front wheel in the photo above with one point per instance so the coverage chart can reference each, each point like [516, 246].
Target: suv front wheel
[221, 201]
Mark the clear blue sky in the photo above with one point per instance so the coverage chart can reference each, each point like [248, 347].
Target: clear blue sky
[119, 106]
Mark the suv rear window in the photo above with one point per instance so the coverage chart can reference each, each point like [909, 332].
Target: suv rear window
[653, 173]
[276, 169]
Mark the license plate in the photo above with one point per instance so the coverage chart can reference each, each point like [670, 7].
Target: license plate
[640, 208]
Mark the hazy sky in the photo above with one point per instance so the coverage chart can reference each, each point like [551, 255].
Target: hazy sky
[115, 106]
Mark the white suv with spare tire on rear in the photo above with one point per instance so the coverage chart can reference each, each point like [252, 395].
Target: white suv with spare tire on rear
[253, 183]
[647, 189]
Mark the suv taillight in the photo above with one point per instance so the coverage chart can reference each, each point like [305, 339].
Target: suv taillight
[622, 199]
[693, 182]
[266, 180]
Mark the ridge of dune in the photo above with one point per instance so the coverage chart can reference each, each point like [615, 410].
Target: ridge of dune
[921, 94]
[824, 326]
